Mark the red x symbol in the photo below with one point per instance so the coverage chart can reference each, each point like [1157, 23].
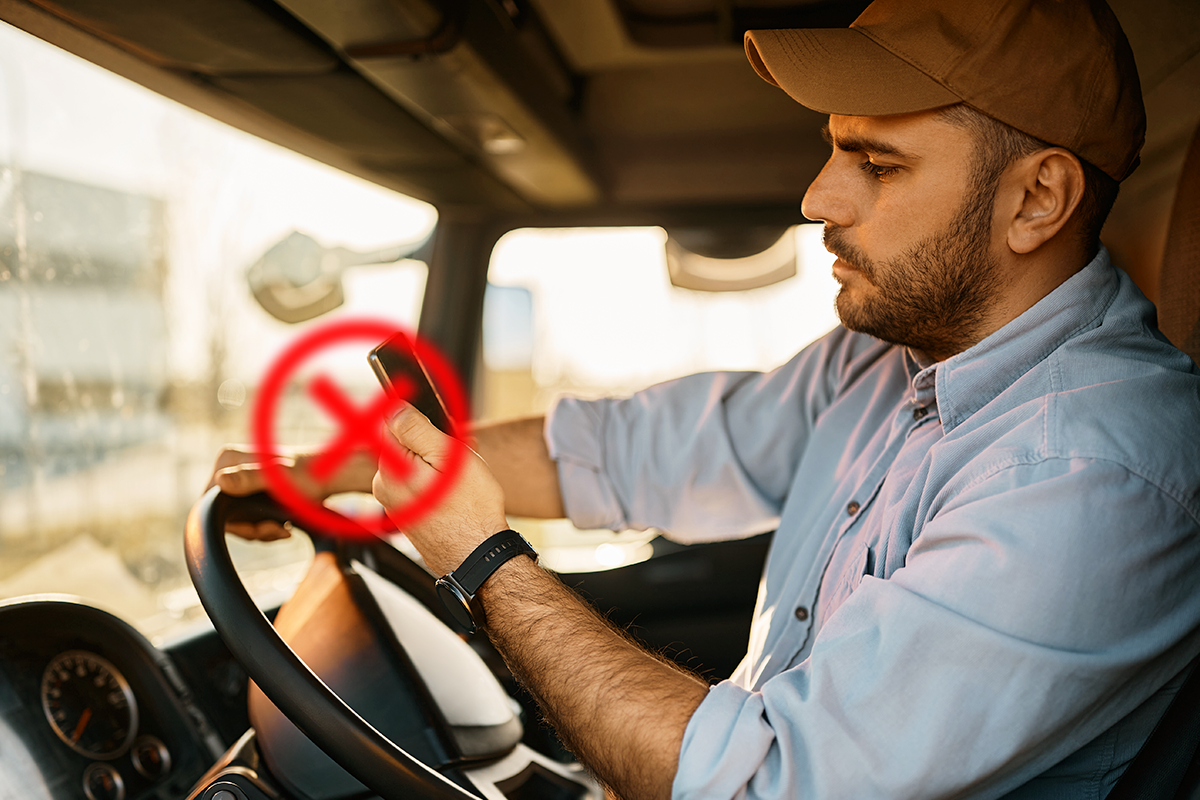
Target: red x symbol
[361, 426]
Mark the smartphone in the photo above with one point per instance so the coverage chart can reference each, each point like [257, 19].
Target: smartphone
[402, 374]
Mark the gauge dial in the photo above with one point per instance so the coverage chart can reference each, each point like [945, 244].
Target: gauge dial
[89, 704]
[102, 782]
[151, 757]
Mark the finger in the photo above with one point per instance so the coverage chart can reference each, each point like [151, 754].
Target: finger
[259, 531]
[393, 492]
[231, 455]
[417, 434]
[242, 479]
[386, 492]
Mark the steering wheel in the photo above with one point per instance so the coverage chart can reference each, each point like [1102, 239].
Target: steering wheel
[303, 697]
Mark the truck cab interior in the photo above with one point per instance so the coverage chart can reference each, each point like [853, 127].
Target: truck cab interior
[485, 133]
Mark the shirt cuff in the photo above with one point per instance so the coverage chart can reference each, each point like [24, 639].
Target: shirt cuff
[725, 743]
[575, 437]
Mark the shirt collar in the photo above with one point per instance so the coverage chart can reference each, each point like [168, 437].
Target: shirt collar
[967, 381]
[922, 371]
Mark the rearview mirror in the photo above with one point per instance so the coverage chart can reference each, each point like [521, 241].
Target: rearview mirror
[298, 279]
[730, 258]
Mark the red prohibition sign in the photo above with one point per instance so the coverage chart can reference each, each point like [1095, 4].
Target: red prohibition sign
[361, 426]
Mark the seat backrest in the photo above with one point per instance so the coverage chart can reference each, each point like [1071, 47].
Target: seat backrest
[1179, 283]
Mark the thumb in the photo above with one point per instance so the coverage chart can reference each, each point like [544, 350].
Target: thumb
[418, 435]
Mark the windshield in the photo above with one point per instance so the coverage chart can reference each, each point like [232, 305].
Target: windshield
[135, 235]
[130, 343]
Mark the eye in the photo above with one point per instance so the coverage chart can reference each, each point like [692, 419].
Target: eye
[877, 171]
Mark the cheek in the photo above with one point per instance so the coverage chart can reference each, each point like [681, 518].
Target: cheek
[899, 217]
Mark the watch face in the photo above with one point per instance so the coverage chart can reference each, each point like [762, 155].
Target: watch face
[456, 603]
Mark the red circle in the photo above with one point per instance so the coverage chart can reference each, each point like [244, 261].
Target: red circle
[310, 512]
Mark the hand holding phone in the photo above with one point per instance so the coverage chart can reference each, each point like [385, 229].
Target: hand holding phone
[403, 376]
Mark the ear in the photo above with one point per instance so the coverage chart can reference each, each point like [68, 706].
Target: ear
[1046, 188]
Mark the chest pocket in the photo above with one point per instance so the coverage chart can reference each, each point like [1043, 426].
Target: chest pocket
[844, 585]
[858, 566]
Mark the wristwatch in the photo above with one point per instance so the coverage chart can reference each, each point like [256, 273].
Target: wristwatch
[458, 588]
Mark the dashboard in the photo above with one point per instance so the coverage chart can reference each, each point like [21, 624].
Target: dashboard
[90, 709]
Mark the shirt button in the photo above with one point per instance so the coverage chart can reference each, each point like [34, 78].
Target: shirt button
[919, 413]
[801, 613]
[852, 508]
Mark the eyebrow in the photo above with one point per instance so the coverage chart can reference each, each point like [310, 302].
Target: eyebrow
[864, 144]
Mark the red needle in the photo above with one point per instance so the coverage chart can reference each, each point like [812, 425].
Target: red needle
[79, 726]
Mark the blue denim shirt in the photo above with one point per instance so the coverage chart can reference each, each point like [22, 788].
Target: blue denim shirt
[984, 577]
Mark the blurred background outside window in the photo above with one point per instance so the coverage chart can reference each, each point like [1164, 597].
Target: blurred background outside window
[130, 344]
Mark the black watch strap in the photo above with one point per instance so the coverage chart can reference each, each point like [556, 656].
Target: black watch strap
[487, 557]
[458, 589]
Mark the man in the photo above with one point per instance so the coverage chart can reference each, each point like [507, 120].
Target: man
[980, 581]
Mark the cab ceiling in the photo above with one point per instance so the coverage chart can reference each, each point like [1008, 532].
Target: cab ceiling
[514, 106]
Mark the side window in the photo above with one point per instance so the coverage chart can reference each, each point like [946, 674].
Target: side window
[135, 237]
[593, 312]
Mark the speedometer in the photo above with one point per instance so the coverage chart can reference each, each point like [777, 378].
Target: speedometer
[89, 704]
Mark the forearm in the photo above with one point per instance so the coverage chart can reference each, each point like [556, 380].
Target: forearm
[516, 453]
[619, 708]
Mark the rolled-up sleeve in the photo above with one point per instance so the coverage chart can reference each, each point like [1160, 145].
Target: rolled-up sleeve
[1022, 626]
[661, 459]
[703, 457]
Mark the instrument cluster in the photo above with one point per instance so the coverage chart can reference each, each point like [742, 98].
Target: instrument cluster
[90, 709]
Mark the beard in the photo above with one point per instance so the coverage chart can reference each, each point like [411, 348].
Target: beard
[936, 295]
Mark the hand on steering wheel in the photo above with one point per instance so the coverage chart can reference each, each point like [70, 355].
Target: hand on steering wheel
[335, 727]
[238, 471]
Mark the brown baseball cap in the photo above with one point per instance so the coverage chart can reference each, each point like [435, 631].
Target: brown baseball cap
[1059, 70]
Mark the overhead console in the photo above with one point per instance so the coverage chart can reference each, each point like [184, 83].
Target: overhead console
[465, 105]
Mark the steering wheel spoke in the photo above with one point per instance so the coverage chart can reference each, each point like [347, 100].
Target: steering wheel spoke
[283, 677]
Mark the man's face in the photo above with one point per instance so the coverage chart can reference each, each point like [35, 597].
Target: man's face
[911, 226]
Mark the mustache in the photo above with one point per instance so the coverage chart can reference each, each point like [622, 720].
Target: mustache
[836, 241]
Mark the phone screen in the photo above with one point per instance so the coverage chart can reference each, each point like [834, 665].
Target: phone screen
[402, 375]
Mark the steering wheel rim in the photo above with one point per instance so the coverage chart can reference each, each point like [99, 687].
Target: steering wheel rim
[284, 678]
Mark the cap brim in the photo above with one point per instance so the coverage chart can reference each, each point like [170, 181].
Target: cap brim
[842, 71]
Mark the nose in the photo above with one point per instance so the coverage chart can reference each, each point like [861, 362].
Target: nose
[826, 199]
